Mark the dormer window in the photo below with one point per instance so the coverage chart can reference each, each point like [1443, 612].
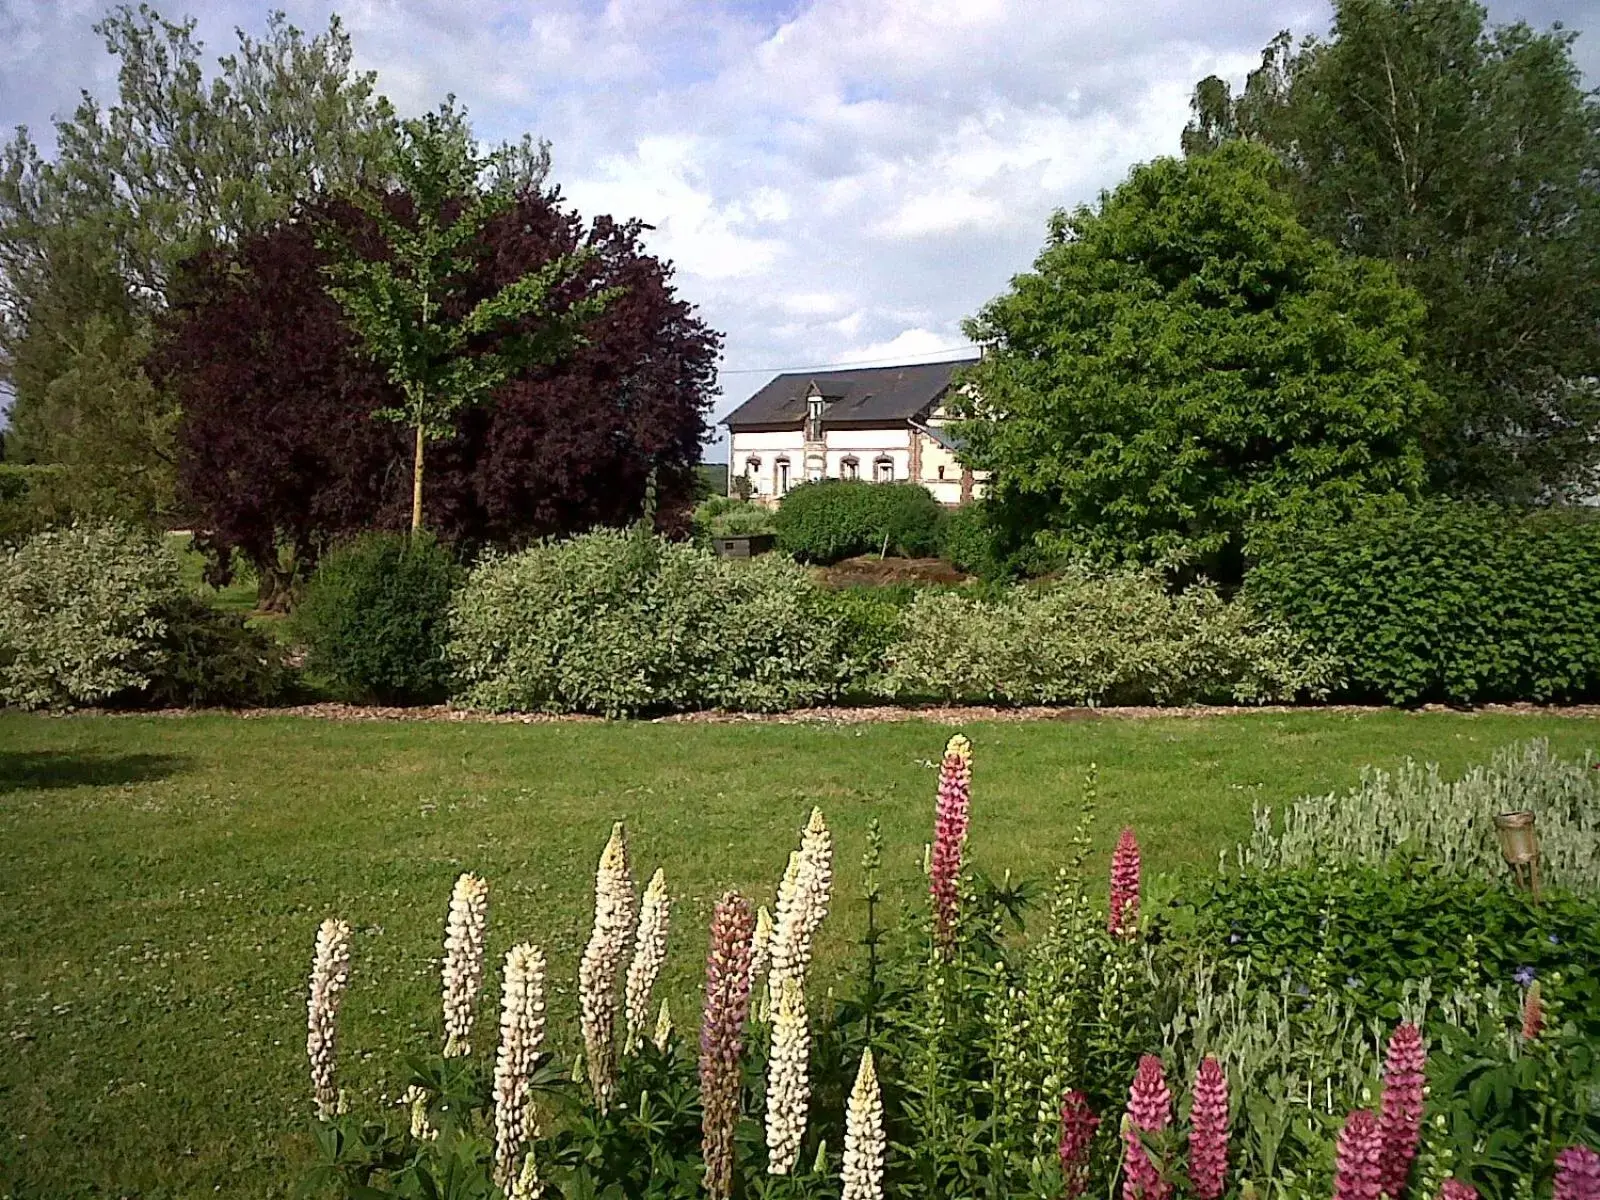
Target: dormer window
[814, 407]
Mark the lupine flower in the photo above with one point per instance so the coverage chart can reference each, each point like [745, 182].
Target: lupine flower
[952, 813]
[1124, 917]
[1149, 1111]
[1577, 1174]
[816, 847]
[788, 1081]
[1532, 1012]
[663, 1033]
[521, 1035]
[763, 944]
[802, 904]
[415, 1099]
[722, 1037]
[1358, 1158]
[1454, 1189]
[330, 974]
[602, 963]
[1208, 1131]
[464, 930]
[863, 1136]
[1400, 1122]
[649, 953]
[526, 1185]
[1078, 1126]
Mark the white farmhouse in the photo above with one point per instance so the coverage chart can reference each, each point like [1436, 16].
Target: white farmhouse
[875, 423]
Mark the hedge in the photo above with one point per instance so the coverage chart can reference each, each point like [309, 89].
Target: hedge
[831, 519]
[1445, 601]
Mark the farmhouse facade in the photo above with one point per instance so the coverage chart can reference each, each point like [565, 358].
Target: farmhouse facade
[881, 424]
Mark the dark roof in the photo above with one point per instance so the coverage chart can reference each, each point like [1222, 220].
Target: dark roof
[865, 395]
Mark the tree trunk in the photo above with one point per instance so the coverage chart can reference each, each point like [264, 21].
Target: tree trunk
[416, 485]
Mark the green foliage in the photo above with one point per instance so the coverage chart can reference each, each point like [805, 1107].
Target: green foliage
[212, 659]
[1091, 637]
[970, 541]
[408, 303]
[1187, 359]
[728, 516]
[618, 624]
[870, 621]
[1464, 156]
[30, 500]
[83, 615]
[1444, 601]
[374, 618]
[831, 519]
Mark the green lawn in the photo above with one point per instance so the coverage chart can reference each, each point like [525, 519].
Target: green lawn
[161, 880]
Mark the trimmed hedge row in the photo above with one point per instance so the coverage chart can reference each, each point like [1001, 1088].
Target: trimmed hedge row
[833, 519]
[1445, 601]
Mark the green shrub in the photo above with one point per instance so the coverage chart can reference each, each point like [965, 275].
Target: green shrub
[832, 519]
[30, 500]
[726, 516]
[212, 659]
[83, 614]
[1445, 601]
[969, 541]
[617, 624]
[1098, 638]
[374, 618]
[870, 620]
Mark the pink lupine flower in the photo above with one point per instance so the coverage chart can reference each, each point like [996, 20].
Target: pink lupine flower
[1124, 918]
[722, 1036]
[1532, 1012]
[1401, 1121]
[951, 815]
[1577, 1174]
[1078, 1126]
[1358, 1159]
[1149, 1111]
[1208, 1131]
[1454, 1189]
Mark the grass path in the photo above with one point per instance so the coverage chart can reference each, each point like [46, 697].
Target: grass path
[161, 880]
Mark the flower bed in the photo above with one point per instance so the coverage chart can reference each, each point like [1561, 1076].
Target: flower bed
[1106, 1049]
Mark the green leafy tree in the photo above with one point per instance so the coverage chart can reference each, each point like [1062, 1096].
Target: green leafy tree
[1466, 156]
[410, 302]
[1186, 360]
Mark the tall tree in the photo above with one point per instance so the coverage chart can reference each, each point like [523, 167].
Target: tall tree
[279, 452]
[1468, 157]
[1187, 360]
[398, 296]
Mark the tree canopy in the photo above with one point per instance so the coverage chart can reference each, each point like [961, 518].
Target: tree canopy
[1187, 359]
[1467, 157]
[278, 448]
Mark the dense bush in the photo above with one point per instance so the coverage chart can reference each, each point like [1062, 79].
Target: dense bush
[83, 614]
[728, 516]
[212, 659]
[1098, 638]
[31, 500]
[618, 623]
[831, 519]
[1445, 601]
[374, 618]
[969, 540]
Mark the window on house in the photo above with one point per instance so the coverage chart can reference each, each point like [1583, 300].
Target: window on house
[883, 471]
[752, 472]
[850, 469]
[814, 419]
[780, 476]
[941, 472]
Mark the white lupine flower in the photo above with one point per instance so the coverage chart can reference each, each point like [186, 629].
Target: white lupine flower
[602, 963]
[863, 1136]
[663, 1033]
[788, 927]
[330, 973]
[649, 953]
[521, 1035]
[416, 1100]
[788, 1081]
[802, 904]
[464, 931]
[761, 952]
[816, 845]
[526, 1186]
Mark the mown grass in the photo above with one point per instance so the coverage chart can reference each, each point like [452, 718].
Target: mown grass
[161, 880]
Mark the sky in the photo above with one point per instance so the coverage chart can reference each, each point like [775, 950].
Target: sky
[836, 181]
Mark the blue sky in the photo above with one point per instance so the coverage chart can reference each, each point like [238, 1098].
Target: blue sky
[836, 180]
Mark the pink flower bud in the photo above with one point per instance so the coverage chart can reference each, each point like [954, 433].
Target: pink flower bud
[1577, 1174]
[1124, 918]
[1401, 1121]
[1358, 1159]
[1208, 1131]
[1078, 1126]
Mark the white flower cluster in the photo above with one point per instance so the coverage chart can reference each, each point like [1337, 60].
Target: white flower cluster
[521, 1035]
[464, 931]
[802, 904]
[788, 1083]
[761, 949]
[330, 973]
[415, 1099]
[602, 963]
[649, 953]
[863, 1136]
[663, 1033]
